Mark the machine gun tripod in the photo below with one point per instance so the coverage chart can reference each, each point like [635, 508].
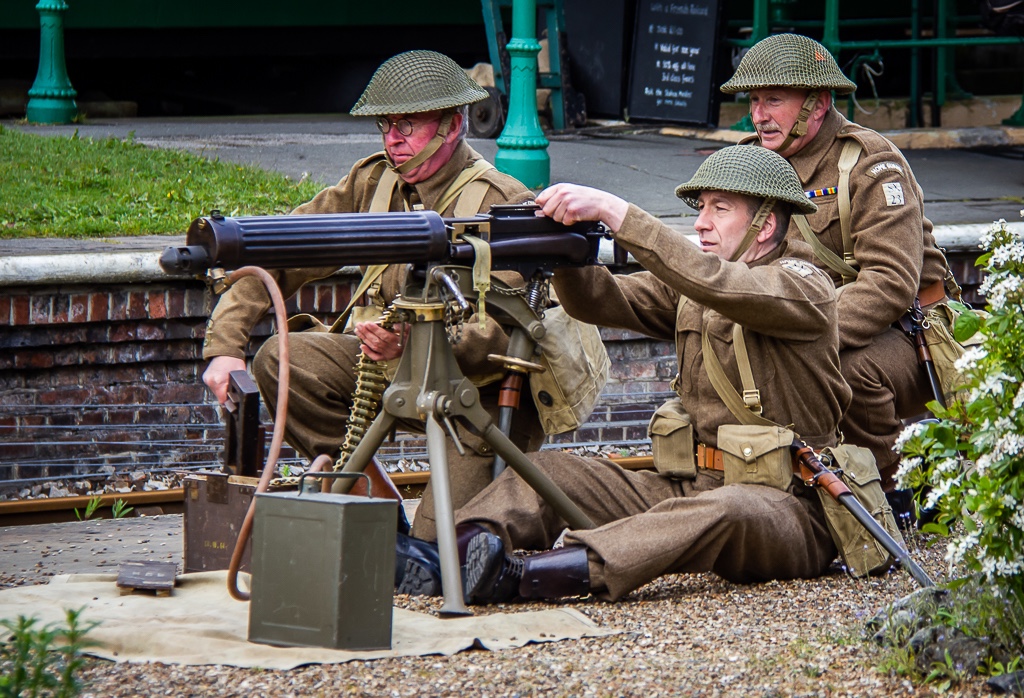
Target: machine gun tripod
[429, 385]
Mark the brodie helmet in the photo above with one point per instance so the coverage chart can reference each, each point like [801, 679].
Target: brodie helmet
[752, 171]
[788, 60]
[414, 82]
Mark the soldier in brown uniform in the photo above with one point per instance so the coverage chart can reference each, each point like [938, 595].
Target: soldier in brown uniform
[650, 523]
[870, 218]
[419, 99]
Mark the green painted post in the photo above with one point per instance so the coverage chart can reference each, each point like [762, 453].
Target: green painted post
[522, 147]
[51, 99]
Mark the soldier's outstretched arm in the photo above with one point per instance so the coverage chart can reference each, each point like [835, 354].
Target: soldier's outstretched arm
[573, 203]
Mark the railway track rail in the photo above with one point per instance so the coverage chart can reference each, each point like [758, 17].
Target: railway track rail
[25, 512]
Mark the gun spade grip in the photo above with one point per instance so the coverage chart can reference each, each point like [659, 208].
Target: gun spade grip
[320, 240]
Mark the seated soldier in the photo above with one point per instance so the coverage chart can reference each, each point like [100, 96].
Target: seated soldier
[746, 275]
[419, 99]
[869, 233]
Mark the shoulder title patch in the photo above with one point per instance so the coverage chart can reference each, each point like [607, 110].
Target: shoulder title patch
[883, 167]
[797, 265]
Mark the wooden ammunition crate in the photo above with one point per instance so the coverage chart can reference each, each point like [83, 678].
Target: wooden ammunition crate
[215, 506]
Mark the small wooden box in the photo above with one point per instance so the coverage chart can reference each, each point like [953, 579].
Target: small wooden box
[215, 506]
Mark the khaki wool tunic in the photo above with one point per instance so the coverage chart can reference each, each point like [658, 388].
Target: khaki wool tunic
[322, 364]
[648, 524]
[897, 256]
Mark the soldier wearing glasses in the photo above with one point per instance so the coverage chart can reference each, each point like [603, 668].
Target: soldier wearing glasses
[420, 100]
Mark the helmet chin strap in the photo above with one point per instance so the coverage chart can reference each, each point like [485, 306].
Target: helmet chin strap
[800, 127]
[428, 150]
[755, 227]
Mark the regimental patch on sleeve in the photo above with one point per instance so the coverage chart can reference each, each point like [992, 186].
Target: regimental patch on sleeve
[893, 194]
[797, 265]
[883, 167]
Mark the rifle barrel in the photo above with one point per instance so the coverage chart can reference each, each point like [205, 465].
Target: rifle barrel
[902, 557]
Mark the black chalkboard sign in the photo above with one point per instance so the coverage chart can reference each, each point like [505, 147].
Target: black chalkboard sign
[672, 75]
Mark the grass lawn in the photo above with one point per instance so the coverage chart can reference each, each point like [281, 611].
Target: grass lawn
[79, 188]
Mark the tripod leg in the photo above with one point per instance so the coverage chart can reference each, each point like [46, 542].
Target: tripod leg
[451, 578]
[535, 478]
[371, 441]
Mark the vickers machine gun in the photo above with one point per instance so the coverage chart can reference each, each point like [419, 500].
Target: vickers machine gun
[445, 255]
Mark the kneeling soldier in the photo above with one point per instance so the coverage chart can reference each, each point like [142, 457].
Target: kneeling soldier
[745, 308]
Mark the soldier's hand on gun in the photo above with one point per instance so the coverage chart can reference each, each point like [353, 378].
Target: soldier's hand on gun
[218, 373]
[572, 203]
[378, 343]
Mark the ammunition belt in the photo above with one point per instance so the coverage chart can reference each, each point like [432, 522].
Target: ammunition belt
[371, 382]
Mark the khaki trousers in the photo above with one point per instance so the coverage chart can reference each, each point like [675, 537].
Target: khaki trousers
[888, 385]
[322, 379]
[649, 525]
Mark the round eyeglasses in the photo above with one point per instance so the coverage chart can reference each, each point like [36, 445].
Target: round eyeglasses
[404, 126]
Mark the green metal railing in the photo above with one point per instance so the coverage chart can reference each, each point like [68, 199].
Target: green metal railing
[771, 13]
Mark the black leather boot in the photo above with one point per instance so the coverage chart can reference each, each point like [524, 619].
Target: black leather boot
[556, 573]
[490, 575]
[417, 567]
[418, 562]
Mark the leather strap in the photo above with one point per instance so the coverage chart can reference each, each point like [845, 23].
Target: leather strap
[709, 457]
[933, 294]
[371, 275]
[455, 189]
[753, 229]
[800, 127]
[742, 411]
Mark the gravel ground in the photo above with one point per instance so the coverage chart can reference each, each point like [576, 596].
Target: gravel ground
[684, 635]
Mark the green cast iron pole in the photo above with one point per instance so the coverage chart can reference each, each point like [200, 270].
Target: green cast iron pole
[51, 99]
[522, 147]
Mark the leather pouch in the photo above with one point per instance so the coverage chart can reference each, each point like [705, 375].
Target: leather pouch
[753, 454]
[671, 432]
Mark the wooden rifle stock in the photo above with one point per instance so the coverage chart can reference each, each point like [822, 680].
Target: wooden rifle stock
[814, 473]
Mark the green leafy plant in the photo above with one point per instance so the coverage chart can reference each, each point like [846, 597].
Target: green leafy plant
[90, 508]
[43, 661]
[120, 509]
[944, 675]
[969, 464]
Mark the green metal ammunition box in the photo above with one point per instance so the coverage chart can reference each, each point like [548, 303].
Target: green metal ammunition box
[323, 570]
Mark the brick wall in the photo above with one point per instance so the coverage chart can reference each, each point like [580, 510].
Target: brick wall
[109, 377]
[100, 378]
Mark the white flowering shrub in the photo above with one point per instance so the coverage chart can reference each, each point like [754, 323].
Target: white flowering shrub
[969, 465]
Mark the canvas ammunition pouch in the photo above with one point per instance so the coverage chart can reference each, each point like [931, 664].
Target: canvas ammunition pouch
[672, 445]
[754, 454]
[861, 553]
[576, 364]
[944, 349]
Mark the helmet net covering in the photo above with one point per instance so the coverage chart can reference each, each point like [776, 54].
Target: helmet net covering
[788, 60]
[749, 170]
[415, 82]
